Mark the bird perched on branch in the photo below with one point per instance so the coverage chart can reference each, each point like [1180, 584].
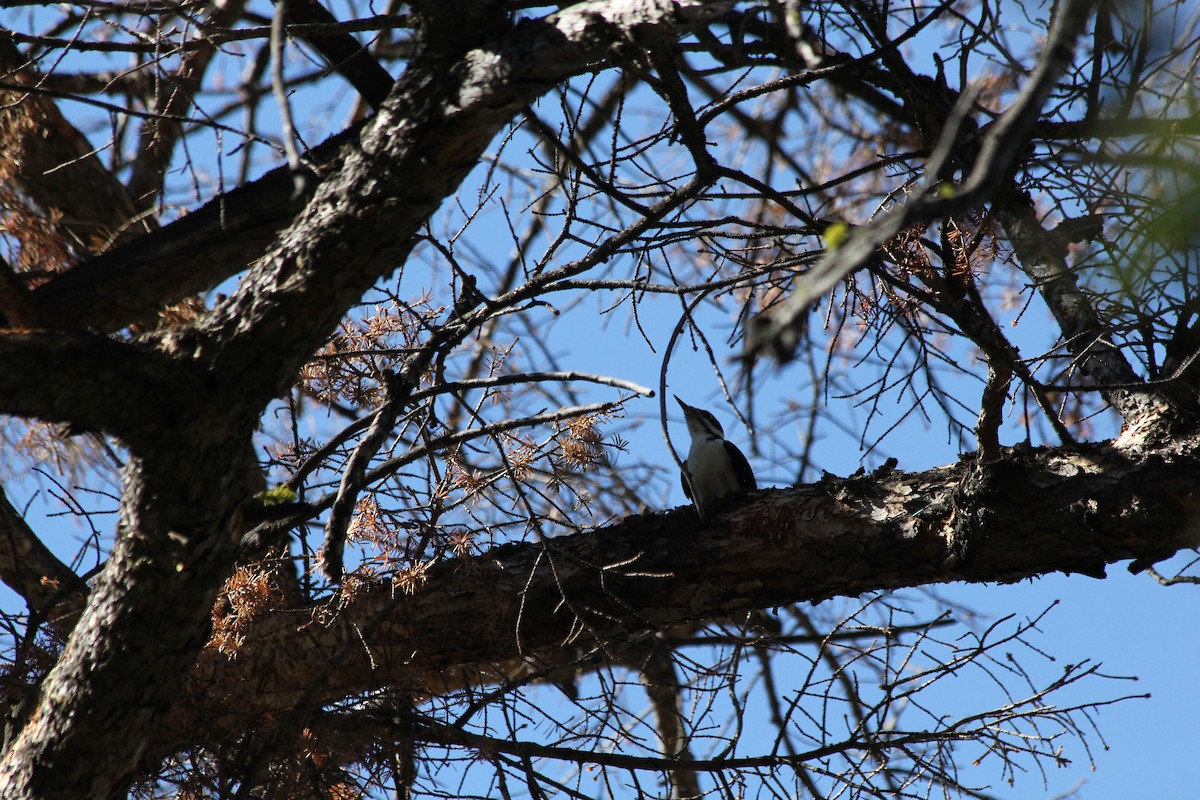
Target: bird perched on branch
[714, 466]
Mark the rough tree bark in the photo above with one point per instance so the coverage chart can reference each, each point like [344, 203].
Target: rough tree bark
[1036, 511]
[114, 697]
[99, 709]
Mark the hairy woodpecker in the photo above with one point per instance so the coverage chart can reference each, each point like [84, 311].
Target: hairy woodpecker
[714, 466]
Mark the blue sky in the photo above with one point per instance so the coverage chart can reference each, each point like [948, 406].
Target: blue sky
[1129, 624]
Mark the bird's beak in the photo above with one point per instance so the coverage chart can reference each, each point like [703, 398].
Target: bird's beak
[682, 404]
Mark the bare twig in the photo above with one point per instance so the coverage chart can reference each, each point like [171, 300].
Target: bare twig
[777, 331]
[279, 88]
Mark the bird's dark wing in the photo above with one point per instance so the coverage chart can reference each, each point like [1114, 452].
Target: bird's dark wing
[741, 467]
[683, 480]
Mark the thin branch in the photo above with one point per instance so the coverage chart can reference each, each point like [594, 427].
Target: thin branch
[215, 36]
[418, 452]
[354, 474]
[162, 130]
[778, 330]
[278, 87]
[315, 460]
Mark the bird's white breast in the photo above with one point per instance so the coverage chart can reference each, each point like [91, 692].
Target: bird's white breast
[711, 472]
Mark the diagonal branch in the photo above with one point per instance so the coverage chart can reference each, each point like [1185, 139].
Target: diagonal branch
[54, 164]
[29, 568]
[161, 131]
[1042, 254]
[778, 331]
[413, 154]
[340, 49]
[113, 399]
[354, 475]
[1031, 513]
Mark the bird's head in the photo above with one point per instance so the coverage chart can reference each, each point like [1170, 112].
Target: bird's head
[701, 424]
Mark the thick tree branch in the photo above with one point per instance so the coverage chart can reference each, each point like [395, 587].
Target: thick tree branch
[190, 255]
[145, 689]
[54, 377]
[150, 606]
[184, 486]
[222, 238]
[18, 309]
[414, 153]
[353, 62]
[1032, 513]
